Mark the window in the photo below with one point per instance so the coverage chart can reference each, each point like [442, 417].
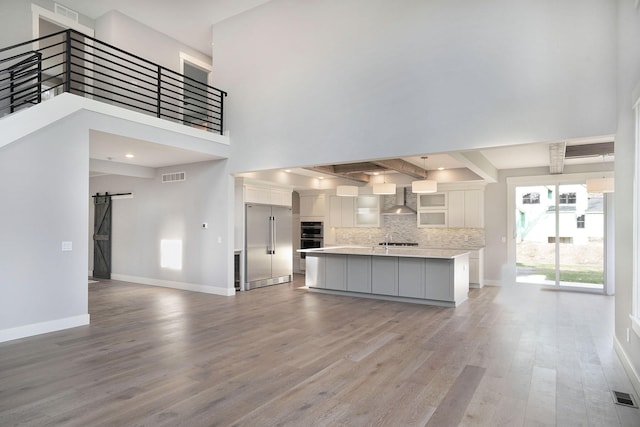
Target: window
[531, 199]
[568, 198]
[580, 221]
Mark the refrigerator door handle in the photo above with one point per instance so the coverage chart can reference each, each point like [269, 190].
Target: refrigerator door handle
[273, 235]
[270, 243]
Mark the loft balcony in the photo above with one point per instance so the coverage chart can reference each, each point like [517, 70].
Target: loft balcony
[69, 61]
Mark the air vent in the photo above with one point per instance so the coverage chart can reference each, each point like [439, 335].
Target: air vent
[624, 399]
[174, 177]
[66, 12]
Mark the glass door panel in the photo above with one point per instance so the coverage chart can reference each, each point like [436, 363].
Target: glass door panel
[535, 234]
[580, 237]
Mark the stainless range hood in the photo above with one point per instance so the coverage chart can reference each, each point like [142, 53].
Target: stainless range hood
[401, 207]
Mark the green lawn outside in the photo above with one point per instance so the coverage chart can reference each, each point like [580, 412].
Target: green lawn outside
[572, 273]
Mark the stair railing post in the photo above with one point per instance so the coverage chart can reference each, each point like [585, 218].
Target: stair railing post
[67, 78]
[159, 87]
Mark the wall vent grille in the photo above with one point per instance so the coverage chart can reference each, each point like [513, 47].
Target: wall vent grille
[174, 177]
[66, 12]
[624, 399]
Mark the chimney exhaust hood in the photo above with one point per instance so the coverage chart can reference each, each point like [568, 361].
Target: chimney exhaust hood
[401, 207]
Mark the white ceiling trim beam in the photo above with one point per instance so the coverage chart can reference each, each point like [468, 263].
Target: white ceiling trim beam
[106, 167]
[478, 164]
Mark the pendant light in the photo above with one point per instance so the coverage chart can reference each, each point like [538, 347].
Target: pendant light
[347, 191]
[384, 188]
[600, 185]
[426, 185]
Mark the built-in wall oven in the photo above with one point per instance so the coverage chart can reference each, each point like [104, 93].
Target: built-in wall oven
[311, 236]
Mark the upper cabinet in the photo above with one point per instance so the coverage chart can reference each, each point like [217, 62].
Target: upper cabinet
[341, 211]
[466, 208]
[462, 208]
[312, 205]
[267, 195]
[367, 211]
[432, 201]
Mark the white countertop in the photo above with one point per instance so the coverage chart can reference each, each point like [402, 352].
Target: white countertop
[400, 251]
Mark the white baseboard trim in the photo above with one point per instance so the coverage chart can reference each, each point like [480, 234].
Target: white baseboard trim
[634, 378]
[43, 327]
[488, 282]
[215, 290]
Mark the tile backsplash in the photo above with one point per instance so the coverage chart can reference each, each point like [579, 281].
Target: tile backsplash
[403, 228]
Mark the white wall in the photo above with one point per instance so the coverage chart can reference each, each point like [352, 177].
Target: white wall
[328, 80]
[628, 79]
[173, 211]
[43, 203]
[124, 32]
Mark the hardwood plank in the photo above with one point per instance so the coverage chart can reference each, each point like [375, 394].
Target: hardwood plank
[284, 356]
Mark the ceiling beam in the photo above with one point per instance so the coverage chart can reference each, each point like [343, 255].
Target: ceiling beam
[403, 167]
[357, 167]
[477, 163]
[330, 170]
[589, 150]
[556, 157]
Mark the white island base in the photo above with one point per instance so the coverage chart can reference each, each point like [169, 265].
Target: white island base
[422, 276]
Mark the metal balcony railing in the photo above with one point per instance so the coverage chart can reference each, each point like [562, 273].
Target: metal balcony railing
[69, 61]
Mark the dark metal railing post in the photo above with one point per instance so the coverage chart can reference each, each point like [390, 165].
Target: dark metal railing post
[222, 95]
[159, 83]
[39, 88]
[67, 73]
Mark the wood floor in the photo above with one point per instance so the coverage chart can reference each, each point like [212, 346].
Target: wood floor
[508, 356]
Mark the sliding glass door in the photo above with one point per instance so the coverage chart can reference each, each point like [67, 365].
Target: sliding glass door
[559, 231]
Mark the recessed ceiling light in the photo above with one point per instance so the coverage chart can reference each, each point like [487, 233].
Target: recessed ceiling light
[321, 177]
[440, 168]
[376, 173]
[129, 156]
[287, 170]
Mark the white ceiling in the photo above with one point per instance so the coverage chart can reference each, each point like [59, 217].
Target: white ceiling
[107, 146]
[187, 21]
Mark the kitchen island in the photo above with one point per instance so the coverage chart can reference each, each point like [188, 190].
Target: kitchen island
[407, 274]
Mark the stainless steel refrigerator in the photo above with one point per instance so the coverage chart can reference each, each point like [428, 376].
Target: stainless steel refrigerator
[269, 245]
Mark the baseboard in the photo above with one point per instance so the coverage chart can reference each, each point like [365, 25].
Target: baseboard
[488, 282]
[634, 378]
[43, 327]
[215, 290]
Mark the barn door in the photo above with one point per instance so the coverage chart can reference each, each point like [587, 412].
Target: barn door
[102, 236]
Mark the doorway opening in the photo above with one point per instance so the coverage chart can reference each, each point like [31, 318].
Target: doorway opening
[194, 91]
[560, 236]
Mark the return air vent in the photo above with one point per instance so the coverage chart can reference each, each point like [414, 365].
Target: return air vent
[174, 177]
[66, 12]
[624, 399]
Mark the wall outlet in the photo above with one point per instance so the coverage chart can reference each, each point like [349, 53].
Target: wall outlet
[219, 239]
[466, 238]
[67, 246]
[205, 225]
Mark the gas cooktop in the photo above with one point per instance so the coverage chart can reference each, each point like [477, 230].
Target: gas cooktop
[398, 244]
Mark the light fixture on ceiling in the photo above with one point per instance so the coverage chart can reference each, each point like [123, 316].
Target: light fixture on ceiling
[129, 156]
[347, 191]
[384, 187]
[601, 185]
[426, 185]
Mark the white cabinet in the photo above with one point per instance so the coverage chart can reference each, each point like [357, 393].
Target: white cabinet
[435, 218]
[466, 208]
[367, 211]
[267, 195]
[341, 211]
[432, 201]
[456, 209]
[312, 205]
[476, 268]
